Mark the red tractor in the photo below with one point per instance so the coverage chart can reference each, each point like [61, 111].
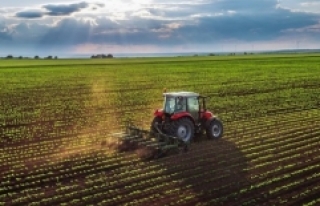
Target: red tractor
[182, 116]
[173, 126]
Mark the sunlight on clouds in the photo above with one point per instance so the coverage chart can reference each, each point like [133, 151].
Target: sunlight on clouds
[165, 32]
[119, 10]
[121, 6]
[174, 25]
[117, 31]
[91, 20]
[142, 13]
[141, 2]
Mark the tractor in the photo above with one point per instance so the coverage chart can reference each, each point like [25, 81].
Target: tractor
[183, 116]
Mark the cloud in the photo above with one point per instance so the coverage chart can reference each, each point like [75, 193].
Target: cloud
[264, 26]
[203, 30]
[29, 14]
[168, 23]
[68, 31]
[64, 9]
[250, 6]
[55, 10]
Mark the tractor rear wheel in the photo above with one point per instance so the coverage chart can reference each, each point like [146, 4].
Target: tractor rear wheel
[182, 128]
[214, 129]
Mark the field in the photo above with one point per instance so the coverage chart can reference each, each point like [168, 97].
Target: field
[57, 116]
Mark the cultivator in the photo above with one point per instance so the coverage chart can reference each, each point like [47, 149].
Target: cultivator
[150, 144]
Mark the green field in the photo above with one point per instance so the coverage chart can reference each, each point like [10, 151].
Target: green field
[57, 116]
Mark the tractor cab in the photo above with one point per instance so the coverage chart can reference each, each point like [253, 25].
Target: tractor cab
[177, 102]
[182, 116]
[185, 102]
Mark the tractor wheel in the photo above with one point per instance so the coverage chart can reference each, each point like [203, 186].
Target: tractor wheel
[214, 129]
[183, 128]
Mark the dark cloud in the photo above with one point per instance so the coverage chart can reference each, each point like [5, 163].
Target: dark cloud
[29, 14]
[56, 10]
[64, 9]
[264, 26]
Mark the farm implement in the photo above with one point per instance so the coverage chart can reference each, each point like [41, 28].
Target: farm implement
[150, 144]
[182, 118]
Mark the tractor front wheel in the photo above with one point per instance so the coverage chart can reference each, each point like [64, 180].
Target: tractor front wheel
[214, 129]
[183, 128]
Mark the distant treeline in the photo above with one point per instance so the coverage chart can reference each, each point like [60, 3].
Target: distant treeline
[101, 56]
[98, 56]
[35, 57]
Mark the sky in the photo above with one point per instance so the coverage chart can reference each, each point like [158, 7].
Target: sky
[52, 27]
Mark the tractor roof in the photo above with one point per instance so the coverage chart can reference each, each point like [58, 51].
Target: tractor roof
[181, 94]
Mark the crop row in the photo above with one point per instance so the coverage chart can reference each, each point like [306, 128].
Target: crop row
[57, 112]
[35, 142]
[271, 139]
[86, 91]
[194, 171]
[236, 136]
[82, 81]
[50, 129]
[260, 130]
[228, 192]
[179, 170]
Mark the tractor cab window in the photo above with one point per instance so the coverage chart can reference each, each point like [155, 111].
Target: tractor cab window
[175, 104]
[181, 104]
[169, 105]
[193, 104]
[193, 107]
